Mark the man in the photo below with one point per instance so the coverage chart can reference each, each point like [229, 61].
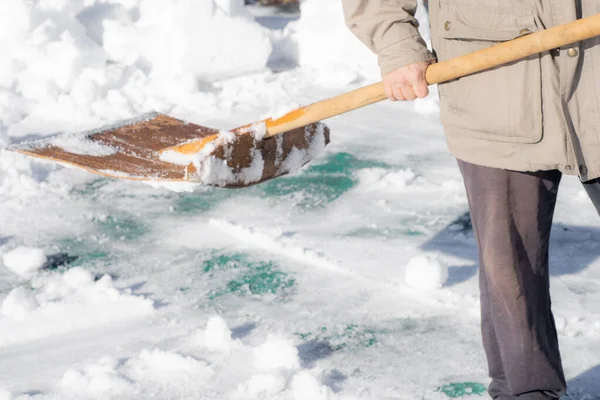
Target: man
[514, 130]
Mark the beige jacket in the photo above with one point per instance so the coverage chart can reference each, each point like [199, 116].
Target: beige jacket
[537, 114]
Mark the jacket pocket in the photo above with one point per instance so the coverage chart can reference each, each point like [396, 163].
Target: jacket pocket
[502, 104]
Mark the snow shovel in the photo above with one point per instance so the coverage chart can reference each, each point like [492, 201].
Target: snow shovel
[160, 148]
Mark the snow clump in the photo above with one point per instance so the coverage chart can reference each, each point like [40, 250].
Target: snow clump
[25, 261]
[306, 387]
[276, 353]
[217, 335]
[263, 384]
[426, 272]
[19, 303]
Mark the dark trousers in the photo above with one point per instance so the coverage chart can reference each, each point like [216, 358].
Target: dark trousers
[512, 216]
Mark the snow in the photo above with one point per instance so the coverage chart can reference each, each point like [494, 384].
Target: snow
[274, 241]
[215, 171]
[80, 144]
[57, 304]
[426, 272]
[258, 131]
[281, 110]
[155, 373]
[276, 353]
[355, 277]
[263, 384]
[96, 381]
[305, 387]
[174, 186]
[69, 66]
[18, 303]
[217, 335]
[24, 261]
[321, 41]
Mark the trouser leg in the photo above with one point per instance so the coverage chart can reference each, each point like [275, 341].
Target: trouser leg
[512, 217]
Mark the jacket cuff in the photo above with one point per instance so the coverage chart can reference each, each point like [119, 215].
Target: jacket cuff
[402, 53]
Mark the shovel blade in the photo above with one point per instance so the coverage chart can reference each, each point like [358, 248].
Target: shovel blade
[137, 144]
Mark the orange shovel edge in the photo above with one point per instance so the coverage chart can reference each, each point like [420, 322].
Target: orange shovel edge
[195, 146]
[478, 61]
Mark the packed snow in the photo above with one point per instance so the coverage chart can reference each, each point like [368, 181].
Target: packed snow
[355, 277]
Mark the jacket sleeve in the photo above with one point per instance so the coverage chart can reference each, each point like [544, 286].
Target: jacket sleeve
[389, 29]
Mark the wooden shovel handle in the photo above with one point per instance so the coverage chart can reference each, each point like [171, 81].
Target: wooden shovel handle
[468, 64]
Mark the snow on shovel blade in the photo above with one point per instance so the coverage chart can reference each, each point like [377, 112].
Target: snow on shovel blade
[132, 150]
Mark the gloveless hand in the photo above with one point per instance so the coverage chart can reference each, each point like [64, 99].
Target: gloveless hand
[407, 83]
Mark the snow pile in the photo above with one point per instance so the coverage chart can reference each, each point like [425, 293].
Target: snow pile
[166, 368]
[280, 371]
[69, 65]
[321, 40]
[95, 380]
[64, 303]
[270, 369]
[24, 261]
[426, 272]
[155, 370]
[188, 36]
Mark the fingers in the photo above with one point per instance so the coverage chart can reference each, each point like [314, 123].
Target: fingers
[421, 89]
[407, 83]
[398, 94]
[405, 92]
[409, 93]
[389, 92]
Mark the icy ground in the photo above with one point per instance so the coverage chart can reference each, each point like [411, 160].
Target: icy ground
[353, 279]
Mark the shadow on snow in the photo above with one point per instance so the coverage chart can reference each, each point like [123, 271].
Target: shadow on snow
[572, 248]
[586, 386]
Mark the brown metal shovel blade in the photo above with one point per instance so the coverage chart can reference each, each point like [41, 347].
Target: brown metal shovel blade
[134, 151]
